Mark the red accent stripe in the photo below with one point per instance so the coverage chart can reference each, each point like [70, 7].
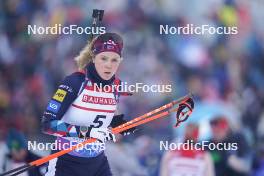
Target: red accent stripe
[91, 109]
[81, 71]
[91, 88]
[126, 93]
[97, 89]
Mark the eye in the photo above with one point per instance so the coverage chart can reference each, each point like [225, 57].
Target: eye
[104, 58]
[115, 60]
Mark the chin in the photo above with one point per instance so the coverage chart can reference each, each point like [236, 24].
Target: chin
[107, 78]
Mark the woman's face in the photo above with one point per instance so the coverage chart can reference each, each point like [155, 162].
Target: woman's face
[106, 64]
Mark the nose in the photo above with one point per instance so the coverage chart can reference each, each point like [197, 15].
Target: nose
[108, 65]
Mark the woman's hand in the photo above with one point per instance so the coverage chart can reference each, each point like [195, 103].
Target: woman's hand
[102, 134]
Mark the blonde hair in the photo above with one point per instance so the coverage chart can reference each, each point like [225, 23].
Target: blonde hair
[86, 55]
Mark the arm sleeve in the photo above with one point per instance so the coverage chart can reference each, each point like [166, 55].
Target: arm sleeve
[66, 93]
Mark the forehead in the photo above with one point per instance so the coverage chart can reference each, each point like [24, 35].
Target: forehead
[108, 54]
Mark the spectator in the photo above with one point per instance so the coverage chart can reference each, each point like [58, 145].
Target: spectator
[187, 161]
[229, 162]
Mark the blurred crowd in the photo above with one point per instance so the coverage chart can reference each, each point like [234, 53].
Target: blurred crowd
[224, 72]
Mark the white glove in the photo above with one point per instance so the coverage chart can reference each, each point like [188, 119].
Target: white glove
[102, 134]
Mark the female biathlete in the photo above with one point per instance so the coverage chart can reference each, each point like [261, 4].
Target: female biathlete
[80, 110]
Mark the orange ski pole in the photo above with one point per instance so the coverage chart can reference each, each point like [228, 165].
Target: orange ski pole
[133, 123]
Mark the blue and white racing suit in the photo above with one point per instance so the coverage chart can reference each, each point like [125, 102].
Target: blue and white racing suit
[76, 107]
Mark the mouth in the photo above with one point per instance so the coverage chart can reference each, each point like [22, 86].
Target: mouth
[107, 73]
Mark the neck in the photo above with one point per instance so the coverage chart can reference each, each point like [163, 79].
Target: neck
[94, 76]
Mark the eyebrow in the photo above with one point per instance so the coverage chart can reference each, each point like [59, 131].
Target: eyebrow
[108, 57]
[104, 56]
